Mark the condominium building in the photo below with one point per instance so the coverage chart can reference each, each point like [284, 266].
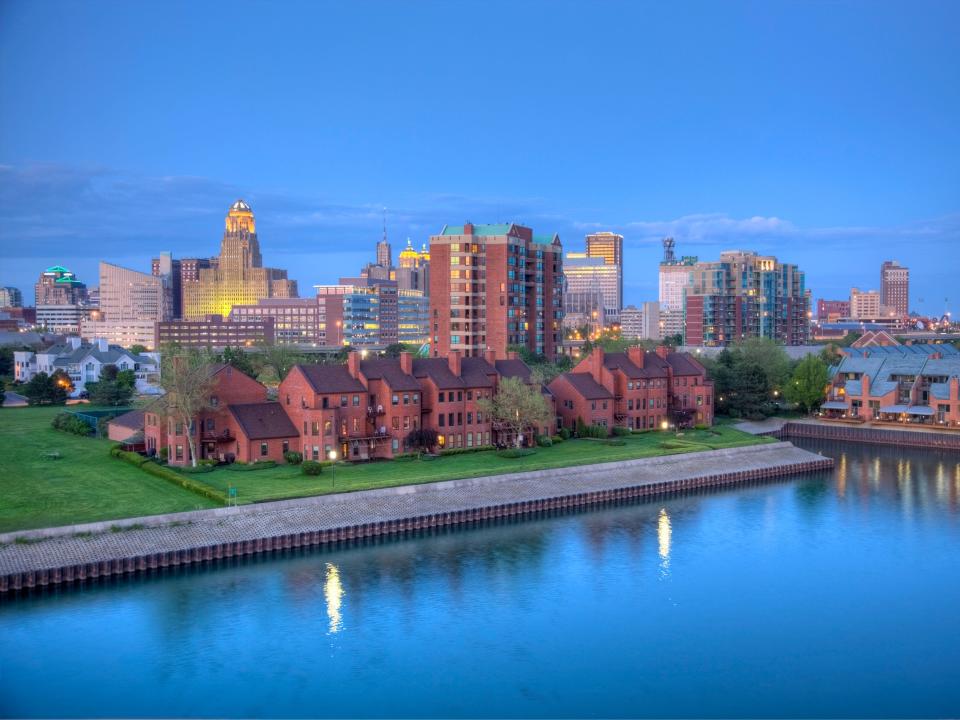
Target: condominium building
[895, 288]
[10, 297]
[746, 295]
[239, 278]
[131, 303]
[495, 286]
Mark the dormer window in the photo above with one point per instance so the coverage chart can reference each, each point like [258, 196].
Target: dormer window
[214, 401]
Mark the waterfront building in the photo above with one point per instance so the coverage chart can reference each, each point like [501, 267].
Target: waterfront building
[674, 278]
[493, 287]
[10, 297]
[295, 320]
[895, 288]
[832, 310]
[84, 361]
[239, 277]
[635, 389]
[215, 332]
[745, 295]
[880, 382]
[238, 424]
[131, 304]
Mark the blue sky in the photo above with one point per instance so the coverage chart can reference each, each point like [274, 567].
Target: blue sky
[826, 133]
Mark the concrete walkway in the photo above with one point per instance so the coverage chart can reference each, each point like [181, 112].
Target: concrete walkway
[59, 547]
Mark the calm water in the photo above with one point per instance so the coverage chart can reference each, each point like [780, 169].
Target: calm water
[830, 595]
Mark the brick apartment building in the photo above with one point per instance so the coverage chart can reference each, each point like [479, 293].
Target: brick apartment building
[634, 389]
[493, 286]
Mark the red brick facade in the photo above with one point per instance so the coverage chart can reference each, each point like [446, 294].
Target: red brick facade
[634, 389]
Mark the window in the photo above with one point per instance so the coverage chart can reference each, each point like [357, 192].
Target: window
[450, 419]
[406, 398]
[178, 429]
[469, 394]
[316, 452]
[288, 398]
[441, 418]
[396, 400]
[479, 417]
[416, 398]
[459, 418]
[343, 401]
[406, 422]
[325, 403]
[459, 395]
[394, 444]
[469, 439]
[356, 401]
[440, 397]
[179, 452]
[469, 418]
[264, 449]
[356, 425]
[396, 422]
[286, 446]
[327, 428]
[315, 427]
[211, 426]
[604, 404]
[214, 401]
[593, 405]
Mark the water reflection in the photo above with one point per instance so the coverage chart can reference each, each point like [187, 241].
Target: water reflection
[333, 593]
[664, 533]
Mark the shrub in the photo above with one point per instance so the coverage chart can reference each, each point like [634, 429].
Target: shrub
[311, 467]
[70, 423]
[544, 440]
[621, 431]
[293, 457]
[516, 453]
[557, 439]
[701, 426]
[564, 433]
[183, 481]
[201, 467]
[135, 459]
[594, 431]
[164, 453]
[465, 450]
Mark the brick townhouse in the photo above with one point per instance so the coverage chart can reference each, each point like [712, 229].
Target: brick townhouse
[238, 423]
[634, 389]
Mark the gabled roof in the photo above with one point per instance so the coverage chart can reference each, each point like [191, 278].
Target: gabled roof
[438, 370]
[132, 420]
[684, 364]
[514, 368]
[264, 420]
[498, 229]
[331, 379]
[389, 371]
[476, 372]
[586, 386]
[621, 361]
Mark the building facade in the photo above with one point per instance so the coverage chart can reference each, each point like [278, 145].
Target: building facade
[131, 304]
[213, 331]
[865, 304]
[608, 246]
[295, 320]
[592, 292]
[895, 288]
[10, 297]
[832, 310]
[495, 286]
[674, 278]
[631, 322]
[746, 295]
[239, 277]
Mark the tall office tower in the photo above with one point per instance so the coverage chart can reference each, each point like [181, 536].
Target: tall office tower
[895, 288]
[131, 304]
[413, 269]
[865, 304]
[239, 278]
[631, 323]
[493, 286]
[609, 246]
[60, 299]
[11, 297]
[384, 255]
[168, 268]
[366, 313]
[675, 277]
[592, 294]
[746, 295]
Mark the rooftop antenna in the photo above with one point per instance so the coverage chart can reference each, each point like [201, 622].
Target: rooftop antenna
[668, 245]
[384, 224]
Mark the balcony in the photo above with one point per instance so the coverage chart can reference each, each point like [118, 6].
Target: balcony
[375, 412]
[214, 436]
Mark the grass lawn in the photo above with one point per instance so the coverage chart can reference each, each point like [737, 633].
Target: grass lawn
[86, 485]
[286, 481]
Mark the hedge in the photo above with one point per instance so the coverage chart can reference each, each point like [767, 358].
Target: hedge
[621, 431]
[200, 468]
[249, 467]
[293, 457]
[184, 482]
[465, 450]
[516, 452]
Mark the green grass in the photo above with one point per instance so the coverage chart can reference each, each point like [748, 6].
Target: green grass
[286, 481]
[86, 485]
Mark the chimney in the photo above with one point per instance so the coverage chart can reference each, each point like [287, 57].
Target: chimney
[596, 364]
[102, 344]
[512, 355]
[73, 342]
[636, 355]
[468, 228]
[490, 356]
[353, 364]
[406, 362]
[453, 359]
[663, 351]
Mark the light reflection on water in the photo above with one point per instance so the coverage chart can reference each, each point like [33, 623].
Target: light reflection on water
[772, 590]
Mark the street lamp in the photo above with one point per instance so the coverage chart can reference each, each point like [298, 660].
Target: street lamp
[333, 467]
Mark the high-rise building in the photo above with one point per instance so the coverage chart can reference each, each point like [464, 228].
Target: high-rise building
[370, 313]
[11, 297]
[675, 277]
[895, 288]
[61, 300]
[609, 246]
[131, 304]
[631, 322]
[592, 293]
[493, 286]
[865, 304]
[384, 255]
[746, 295]
[651, 329]
[295, 320]
[239, 277]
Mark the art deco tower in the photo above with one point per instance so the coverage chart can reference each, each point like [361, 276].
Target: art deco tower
[239, 278]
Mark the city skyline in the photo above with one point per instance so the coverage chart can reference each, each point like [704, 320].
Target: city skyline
[804, 132]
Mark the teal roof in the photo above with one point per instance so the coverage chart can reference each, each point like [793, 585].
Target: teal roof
[544, 239]
[57, 268]
[499, 229]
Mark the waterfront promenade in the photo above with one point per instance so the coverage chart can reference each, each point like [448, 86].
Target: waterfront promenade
[41, 557]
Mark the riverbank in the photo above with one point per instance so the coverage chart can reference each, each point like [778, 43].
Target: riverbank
[915, 437]
[64, 555]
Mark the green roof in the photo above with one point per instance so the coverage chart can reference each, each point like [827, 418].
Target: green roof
[57, 268]
[500, 229]
[544, 239]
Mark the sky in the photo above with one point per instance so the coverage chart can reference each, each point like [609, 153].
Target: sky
[825, 133]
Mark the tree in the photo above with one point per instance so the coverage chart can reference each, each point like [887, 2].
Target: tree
[517, 407]
[770, 356]
[749, 392]
[808, 385]
[46, 389]
[238, 359]
[138, 349]
[114, 387]
[186, 377]
[6, 361]
[422, 439]
[393, 350]
[281, 358]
